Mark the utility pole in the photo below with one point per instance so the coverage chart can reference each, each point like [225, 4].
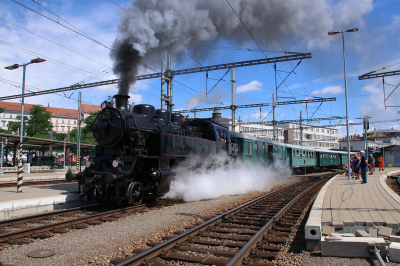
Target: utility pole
[301, 128]
[162, 85]
[273, 117]
[78, 151]
[169, 76]
[233, 100]
[195, 113]
[366, 127]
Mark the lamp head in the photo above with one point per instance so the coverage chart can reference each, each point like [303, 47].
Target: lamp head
[12, 67]
[352, 30]
[38, 60]
[333, 32]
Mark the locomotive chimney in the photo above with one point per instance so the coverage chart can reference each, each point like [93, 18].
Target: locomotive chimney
[121, 101]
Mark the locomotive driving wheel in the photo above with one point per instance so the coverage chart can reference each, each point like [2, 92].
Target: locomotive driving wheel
[135, 196]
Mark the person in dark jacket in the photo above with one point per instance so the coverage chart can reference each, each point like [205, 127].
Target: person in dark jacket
[364, 165]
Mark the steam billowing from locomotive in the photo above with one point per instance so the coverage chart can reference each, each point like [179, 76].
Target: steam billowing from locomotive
[149, 28]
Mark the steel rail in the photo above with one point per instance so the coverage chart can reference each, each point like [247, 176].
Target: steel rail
[42, 215]
[48, 227]
[153, 252]
[245, 251]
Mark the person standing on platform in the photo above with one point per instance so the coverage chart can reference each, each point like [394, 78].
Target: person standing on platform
[363, 165]
[371, 164]
[352, 166]
[356, 164]
[381, 163]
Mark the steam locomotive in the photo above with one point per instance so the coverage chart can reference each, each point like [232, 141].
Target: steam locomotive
[137, 149]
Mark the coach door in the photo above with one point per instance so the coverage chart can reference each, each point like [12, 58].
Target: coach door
[271, 154]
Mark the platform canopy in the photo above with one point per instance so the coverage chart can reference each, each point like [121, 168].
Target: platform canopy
[37, 143]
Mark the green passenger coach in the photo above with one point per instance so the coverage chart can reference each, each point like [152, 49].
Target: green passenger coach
[259, 150]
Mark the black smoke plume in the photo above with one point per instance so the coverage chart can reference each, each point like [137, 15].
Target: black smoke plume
[149, 28]
[126, 65]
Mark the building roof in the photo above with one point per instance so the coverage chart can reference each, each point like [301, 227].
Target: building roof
[16, 107]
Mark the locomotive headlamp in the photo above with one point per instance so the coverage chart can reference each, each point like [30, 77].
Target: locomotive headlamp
[115, 163]
[88, 163]
[103, 105]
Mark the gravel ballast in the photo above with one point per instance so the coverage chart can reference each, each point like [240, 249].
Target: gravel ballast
[96, 245]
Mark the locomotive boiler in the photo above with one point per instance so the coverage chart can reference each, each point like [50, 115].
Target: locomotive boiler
[137, 149]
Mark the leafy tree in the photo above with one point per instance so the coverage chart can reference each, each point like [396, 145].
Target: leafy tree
[16, 126]
[39, 124]
[87, 130]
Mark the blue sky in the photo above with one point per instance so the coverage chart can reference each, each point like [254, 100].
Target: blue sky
[72, 58]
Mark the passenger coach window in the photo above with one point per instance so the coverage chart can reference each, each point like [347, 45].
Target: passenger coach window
[256, 149]
[264, 148]
[249, 148]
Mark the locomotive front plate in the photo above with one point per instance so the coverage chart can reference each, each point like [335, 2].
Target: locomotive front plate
[104, 116]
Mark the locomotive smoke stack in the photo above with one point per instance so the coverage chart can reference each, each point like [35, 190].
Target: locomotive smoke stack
[121, 101]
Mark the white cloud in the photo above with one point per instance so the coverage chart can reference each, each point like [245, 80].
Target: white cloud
[135, 98]
[255, 85]
[334, 89]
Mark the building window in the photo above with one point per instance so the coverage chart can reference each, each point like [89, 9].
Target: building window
[322, 130]
[62, 129]
[56, 121]
[4, 115]
[293, 126]
[75, 122]
[327, 131]
[317, 130]
[69, 122]
[62, 121]
[10, 116]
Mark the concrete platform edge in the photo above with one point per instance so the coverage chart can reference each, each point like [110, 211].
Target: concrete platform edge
[382, 180]
[313, 229]
[13, 209]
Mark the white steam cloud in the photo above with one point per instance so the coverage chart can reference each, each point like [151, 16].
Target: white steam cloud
[226, 179]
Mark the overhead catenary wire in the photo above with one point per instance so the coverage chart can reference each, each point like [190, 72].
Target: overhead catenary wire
[118, 6]
[76, 69]
[83, 35]
[53, 42]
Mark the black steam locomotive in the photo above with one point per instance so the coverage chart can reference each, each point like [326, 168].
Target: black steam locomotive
[137, 149]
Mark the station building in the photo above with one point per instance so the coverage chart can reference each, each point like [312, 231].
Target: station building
[313, 136]
[62, 119]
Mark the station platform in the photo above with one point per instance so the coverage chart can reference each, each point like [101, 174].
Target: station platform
[37, 199]
[350, 203]
[12, 177]
[342, 202]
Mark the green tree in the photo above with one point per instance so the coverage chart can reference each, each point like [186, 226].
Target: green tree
[39, 124]
[87, 130]
[16, 126]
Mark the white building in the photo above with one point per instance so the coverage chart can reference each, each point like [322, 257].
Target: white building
[61, 118]
[313, 137]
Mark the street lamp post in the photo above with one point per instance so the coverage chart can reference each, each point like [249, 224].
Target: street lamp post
[20, 167]
[345, 90]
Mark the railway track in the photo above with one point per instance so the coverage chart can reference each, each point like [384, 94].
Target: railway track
[251, 234]
[36, 183]
[22, 230]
